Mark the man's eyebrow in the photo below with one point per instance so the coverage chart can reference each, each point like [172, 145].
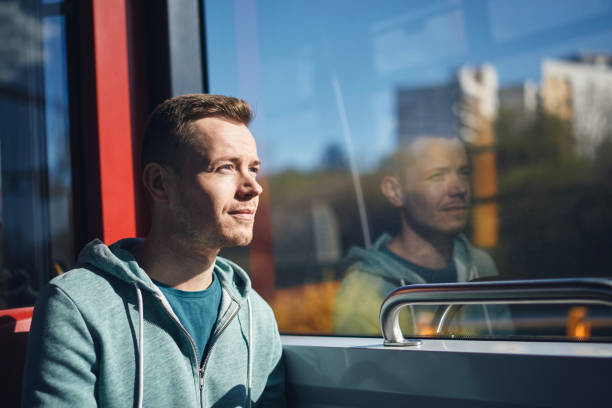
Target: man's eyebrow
[233, 159]
[436, 169]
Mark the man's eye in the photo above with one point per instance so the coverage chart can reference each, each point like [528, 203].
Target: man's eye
[435, 176]
[464, 172]
[254, 170]
[226, 167]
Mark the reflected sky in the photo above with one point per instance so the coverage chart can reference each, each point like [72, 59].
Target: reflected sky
[36, 169]
[56, 96]
[282, 56]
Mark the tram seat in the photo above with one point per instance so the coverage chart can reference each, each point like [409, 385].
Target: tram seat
[14, 330]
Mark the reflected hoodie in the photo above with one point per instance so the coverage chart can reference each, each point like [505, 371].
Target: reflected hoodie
[103, 334]
[373, 274]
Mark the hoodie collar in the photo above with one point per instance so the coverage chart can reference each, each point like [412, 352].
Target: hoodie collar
[117, 260]
[376, 262]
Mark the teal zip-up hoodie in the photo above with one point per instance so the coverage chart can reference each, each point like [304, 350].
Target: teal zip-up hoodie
[104, 335]
[374, 273]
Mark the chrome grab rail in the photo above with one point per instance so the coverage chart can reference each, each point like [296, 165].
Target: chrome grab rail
[569, 290]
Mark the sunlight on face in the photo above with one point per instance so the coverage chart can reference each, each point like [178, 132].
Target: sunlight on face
[435, 186]
[217, 194]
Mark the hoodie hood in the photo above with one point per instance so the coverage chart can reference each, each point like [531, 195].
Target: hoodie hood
[117, 260]
[376, 262]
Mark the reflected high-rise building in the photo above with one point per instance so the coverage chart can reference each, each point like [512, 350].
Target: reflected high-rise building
[452, 108]
[579, 89]
[428, 111]
[467, 107]
[523, 97]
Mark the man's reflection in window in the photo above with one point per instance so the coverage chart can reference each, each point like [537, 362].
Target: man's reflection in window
[429, 184]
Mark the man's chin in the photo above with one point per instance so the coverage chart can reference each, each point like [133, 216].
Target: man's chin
[241, 243]
[216, 240]
[452, 231]
[450, 228]
[237, 241]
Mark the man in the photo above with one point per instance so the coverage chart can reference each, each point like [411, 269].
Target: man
[164, 321]
[430, 188]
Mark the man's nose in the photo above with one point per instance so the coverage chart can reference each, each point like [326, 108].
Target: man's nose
[249, 187]
[458, 185]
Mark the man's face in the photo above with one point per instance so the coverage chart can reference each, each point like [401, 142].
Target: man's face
[435, 186]
[215, 195]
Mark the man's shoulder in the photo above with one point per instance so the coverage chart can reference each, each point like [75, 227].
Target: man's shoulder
[85, 285]
[480, 259]
[369, 275]
[378, 264]
[358, 301]
[360, 283]
[369, 261]
[79, 277]
[483, 262]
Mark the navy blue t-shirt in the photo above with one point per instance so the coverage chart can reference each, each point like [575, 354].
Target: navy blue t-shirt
[197, 311]
[444, 275]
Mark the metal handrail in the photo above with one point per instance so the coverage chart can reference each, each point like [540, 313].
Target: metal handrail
[582, 290]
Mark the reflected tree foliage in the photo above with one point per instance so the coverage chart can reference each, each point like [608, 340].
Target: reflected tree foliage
[552, 199]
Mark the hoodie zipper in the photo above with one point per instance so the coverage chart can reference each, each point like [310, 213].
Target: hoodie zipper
[203, 366]
[193, 345]
[201, 373]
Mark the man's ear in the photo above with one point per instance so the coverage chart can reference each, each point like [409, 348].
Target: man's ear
[156, 180]
[392, 190]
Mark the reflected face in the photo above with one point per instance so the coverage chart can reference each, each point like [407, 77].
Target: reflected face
[435, 190]
[215, 196]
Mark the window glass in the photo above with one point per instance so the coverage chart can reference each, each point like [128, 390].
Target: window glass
[423, 141]
[36, 203]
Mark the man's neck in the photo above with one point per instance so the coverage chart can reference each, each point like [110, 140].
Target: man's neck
[434, 252]
[175, 265]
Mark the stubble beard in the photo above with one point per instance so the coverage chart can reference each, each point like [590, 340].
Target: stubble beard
[428, 231]
[197, 230]
[234, 237]
[216, 236]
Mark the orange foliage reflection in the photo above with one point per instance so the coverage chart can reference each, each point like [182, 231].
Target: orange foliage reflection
[305, 309]
[576, 326]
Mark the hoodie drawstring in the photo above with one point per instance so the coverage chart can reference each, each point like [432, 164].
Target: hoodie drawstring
[250, 353]
[140, 346]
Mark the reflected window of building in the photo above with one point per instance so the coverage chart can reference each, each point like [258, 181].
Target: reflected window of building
[36, 183]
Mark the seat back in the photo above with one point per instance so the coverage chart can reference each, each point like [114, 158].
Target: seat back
[14, 330]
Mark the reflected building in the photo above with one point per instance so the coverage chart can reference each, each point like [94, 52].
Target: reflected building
[523, 98]
[463, 106]
[579, 89]
[467, 107]
[428, 111]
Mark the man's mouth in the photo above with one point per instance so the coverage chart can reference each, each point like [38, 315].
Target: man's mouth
[246, 214]
[457, 208]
